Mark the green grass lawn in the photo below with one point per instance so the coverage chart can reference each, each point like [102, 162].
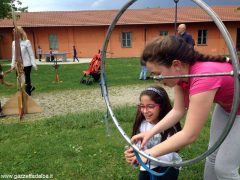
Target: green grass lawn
[118, 72]
[76, 146]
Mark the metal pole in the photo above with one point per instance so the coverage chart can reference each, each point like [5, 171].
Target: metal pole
[175, 23]
[160, 77]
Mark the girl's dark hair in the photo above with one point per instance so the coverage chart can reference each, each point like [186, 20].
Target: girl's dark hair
[164, 50]
[164, 102]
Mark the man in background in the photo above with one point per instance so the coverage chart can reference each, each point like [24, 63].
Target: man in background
[75, 54]
[184, 35]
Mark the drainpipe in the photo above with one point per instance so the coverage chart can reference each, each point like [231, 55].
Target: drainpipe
[1, 44]
[175, 22]
[145, 35]
[34, 43]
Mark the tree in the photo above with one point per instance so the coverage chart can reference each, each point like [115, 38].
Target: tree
[7, 5]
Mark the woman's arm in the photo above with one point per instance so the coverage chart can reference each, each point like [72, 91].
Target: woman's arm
[13, 55]
[199, 108]
[31, 54]
[168, 121]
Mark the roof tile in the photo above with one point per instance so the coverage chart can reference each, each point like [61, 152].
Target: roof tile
[131, 16]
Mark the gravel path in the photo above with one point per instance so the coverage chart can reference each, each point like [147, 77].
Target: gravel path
[59, 103]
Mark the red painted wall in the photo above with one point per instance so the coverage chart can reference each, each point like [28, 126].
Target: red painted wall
[89, 39]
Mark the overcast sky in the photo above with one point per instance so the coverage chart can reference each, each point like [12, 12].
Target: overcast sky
[59, 5]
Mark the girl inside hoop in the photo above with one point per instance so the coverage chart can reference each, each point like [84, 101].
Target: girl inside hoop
[154, 105]
[195, 97]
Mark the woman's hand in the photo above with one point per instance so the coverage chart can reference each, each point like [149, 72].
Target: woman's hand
[130, 156]
[142, 138]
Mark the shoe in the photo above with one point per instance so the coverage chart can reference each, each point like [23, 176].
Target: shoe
[2, 115]
[32, 89]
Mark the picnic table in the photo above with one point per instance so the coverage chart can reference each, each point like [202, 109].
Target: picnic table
[57, 56]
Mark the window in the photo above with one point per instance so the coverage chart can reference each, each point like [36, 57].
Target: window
[163, 33]
[126, 38]
[53, 41]
[202, 37]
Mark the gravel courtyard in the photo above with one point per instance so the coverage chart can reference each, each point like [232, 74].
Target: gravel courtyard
[59, 103]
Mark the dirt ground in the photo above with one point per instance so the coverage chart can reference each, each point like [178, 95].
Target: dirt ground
[59, 103]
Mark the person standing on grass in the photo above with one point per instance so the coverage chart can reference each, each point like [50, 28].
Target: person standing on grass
[154, 105]
[194, 97]
[27, 57]
[51, 55]
[143, 73]
[39, 53]
[75, 54]
[1, 82]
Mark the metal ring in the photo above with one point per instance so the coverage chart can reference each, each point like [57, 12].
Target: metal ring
[234, 109]
[160, 77]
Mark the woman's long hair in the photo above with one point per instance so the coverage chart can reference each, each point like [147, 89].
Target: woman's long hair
[22, 33]
[164, 50]
[164, 102]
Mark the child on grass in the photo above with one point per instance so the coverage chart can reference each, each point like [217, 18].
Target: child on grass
[154, 105]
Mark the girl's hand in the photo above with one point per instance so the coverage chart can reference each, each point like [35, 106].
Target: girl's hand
[130, 156]
[142, 138]
[145, 160]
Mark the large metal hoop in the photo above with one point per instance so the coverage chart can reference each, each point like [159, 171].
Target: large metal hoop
[235, 104]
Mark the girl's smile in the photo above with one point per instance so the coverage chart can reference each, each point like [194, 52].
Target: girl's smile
[149, 109]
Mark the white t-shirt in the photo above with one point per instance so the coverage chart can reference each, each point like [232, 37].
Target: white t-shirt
[156, 139]
[26, 52]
